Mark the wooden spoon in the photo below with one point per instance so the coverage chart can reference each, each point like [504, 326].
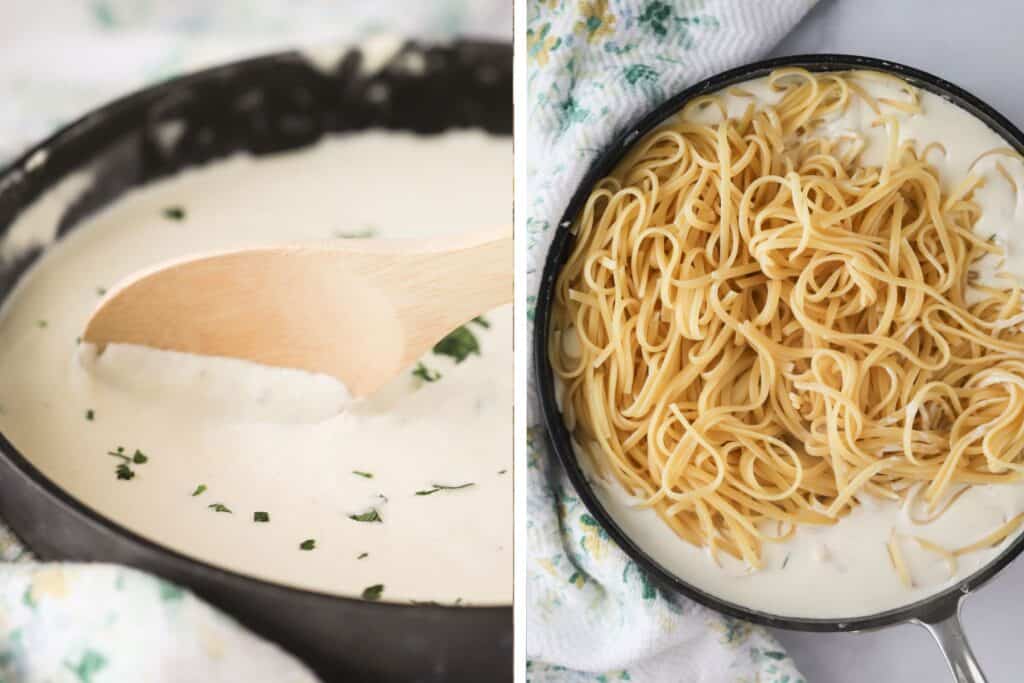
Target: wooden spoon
[360, 310]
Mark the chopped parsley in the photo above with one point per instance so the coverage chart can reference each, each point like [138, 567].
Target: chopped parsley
[364, 475]
[90, 415]
[308, 544]
[124, 470]
[368, 231]
[261, 516]
[363, 556]
[174, 213]
[459, 344]
[41, 324]
[199, 490]
[370, 516]
[481, 321]
[785, 561]
[425, 373]
[441, 487]
[100, 291]
[220, 507]
[373, 592]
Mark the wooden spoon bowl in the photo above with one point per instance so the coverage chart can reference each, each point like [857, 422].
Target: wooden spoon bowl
[359, 310]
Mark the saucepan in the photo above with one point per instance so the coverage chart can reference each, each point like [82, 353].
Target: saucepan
[938, 613]
[264, 105]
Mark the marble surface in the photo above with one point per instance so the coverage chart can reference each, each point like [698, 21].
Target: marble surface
[976, 45]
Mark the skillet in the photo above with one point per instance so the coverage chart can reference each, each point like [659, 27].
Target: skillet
[939, 613]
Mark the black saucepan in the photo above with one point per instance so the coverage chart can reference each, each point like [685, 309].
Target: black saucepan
[939, 613]
[261, 106]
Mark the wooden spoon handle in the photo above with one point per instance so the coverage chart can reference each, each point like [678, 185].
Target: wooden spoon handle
[436, 292]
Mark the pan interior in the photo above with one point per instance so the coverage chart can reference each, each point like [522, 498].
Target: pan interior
[784, 600]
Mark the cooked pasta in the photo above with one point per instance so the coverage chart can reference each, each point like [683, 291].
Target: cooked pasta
[755, 329]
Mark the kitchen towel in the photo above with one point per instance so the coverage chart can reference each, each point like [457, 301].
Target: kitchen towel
[78, 623]
[595, 66]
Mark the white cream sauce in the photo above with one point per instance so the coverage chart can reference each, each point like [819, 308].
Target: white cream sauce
[270, 440]
[844, 571]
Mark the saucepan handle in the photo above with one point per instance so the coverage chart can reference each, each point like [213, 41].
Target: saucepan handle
[945, 627]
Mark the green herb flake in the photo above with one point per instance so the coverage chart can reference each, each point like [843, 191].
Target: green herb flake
[220, 507]
[459, 344]
[139, 458]
[785, 561]
[363, 556]
[441, 487]
[482, 322]
[261, 516]
[100, 291]
[123, 470]
[42, 324]
[502, 471]
[308, 544]
[364, 475]
[425, 373]
[174, 213]
[373, 592]
[199, 490]
[90, 415]
[370, 516]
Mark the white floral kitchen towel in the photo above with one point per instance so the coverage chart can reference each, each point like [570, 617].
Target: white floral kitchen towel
[98, 623]
[594, 67]
[74, 623]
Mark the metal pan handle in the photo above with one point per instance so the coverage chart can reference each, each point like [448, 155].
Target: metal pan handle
[944, 625]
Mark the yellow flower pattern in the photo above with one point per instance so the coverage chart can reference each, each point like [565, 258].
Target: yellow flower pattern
[48, 581]
[548, 566]
[594, 539]
[540, 43]
[596, 21]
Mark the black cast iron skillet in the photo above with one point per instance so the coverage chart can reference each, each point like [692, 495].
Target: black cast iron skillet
[261, 106]
[939, 613]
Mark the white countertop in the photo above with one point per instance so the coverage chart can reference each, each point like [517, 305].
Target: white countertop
[978, 46]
